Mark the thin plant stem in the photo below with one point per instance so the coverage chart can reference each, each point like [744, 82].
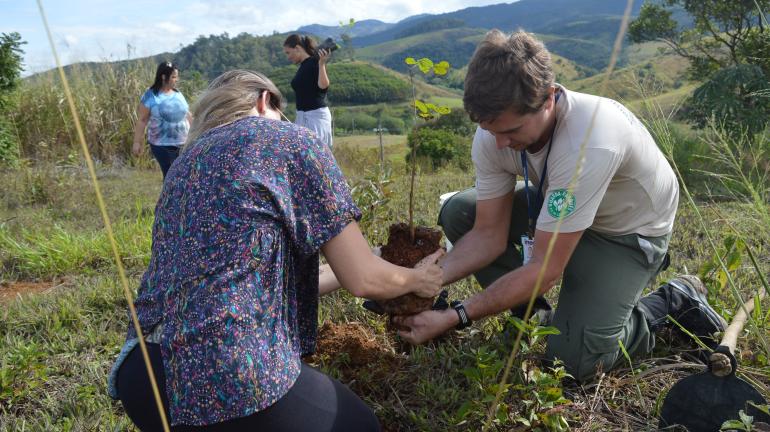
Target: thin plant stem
[107, 223]
[414, 159]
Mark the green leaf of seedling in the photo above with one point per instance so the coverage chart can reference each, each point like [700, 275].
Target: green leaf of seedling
[425, 65]
[410, 61]
[462, 413]
[745, 418]
[722, 279]
[441, 68]
[472, 374]
[425, 116]
[734, 257]
[502, 412]
[442, 109]
[764, 408]
[518, 323]
[542, 331]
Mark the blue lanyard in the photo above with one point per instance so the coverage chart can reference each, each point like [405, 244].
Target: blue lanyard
[539, 196]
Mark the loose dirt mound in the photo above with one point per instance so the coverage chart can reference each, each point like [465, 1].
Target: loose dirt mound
[362, 360]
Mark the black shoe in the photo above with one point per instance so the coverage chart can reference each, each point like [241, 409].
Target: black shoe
[684, 299]
[541, 308]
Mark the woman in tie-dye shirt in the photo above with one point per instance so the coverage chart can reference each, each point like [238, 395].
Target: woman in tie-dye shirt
[229, 302]
[164, 113]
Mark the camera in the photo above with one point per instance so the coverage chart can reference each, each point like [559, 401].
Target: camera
[328, 45]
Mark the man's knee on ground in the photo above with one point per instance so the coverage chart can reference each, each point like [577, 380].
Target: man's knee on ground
[594, 356]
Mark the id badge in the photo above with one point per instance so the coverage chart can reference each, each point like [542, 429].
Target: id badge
[527, 248]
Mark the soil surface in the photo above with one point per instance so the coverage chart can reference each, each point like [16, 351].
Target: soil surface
[401, 251]
[12, 290]
[363, 360]
[365, 363]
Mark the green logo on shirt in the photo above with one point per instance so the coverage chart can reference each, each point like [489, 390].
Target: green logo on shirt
[558, 200]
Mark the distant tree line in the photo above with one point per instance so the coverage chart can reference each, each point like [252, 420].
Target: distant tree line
[212, 55]
[431, 26]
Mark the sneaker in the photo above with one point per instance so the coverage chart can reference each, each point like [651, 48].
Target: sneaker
[690, 308]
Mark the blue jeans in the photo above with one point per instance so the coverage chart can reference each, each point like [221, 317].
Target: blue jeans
[165, 155]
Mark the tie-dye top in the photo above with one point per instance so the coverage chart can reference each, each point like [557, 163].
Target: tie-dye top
[234, 268]
[167, 125]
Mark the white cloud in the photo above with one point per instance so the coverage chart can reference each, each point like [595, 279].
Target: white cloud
[70, 40]
[169, 27]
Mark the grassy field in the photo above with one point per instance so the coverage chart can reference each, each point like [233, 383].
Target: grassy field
[61, 333]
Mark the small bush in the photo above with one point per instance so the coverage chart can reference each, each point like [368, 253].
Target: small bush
[9, 144]
[394, 125]
[439, 146]
[354, 120]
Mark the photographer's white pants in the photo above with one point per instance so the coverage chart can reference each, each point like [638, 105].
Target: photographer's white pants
[319, 121]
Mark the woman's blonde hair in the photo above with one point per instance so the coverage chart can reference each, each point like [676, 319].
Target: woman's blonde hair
[230, 97]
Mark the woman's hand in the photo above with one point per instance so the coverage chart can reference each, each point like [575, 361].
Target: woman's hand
[136, 149]
[430, 275]
[323, 56]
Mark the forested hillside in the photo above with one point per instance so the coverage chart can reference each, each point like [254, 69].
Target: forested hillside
[354, 83]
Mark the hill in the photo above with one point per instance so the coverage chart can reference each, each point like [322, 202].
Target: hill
[360, 29]
[363, 83]
[453, 45]
[656, 77]
[355, 83]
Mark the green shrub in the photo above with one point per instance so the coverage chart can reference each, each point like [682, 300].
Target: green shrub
[9, 144]
[439, 146]
[394, 125]
[351, 83]
[354, 120]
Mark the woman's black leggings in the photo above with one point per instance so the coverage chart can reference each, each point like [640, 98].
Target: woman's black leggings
[316, 402]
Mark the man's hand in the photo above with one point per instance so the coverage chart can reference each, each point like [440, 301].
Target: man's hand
[426, 325]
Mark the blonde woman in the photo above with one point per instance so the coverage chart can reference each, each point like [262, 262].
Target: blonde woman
[228, 304]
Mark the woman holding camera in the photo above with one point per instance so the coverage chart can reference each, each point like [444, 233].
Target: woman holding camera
[229, 303]
[310, 85]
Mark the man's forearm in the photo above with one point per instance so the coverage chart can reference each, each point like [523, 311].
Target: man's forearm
[472, 252]
[512, 289]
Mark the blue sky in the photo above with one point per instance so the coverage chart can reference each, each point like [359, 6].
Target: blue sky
[89, 30]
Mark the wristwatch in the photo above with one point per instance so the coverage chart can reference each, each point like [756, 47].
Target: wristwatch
[465, 321]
